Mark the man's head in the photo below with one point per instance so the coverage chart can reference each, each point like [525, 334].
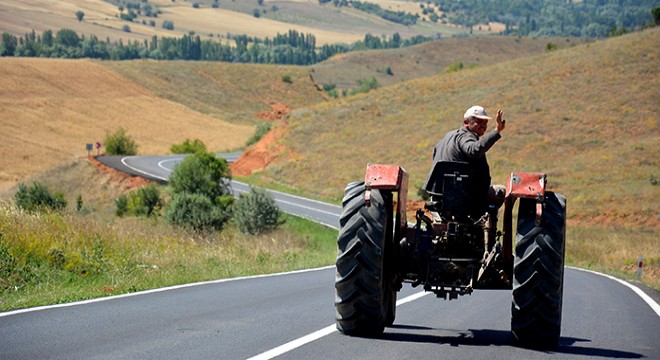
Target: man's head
[475, 119]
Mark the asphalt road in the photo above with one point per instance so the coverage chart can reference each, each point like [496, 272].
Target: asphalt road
[291, 316]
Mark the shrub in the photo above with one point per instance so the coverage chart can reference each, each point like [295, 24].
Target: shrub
[255, 212]
[168, 24]
[287, 79]
[196, 211]
[122, 205]
[38, 197]
[202, 173]
[455, 66]
[188, 147]
[120, 143]
[145, 201]
[261, 130]
[365, 85]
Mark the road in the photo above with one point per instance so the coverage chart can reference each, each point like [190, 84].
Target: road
[159, 168]
[291, 316]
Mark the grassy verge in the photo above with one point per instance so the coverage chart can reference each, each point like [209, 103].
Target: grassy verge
[49, 258]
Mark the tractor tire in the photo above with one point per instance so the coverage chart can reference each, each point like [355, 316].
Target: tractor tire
[538, 273]
[364, 299]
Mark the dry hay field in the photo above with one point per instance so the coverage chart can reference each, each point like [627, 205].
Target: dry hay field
[102, 19]
[49, 110]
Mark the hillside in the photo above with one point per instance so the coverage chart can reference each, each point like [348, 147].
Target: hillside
[232, 92]
[430, 58]
[51, 108]
[586, 116]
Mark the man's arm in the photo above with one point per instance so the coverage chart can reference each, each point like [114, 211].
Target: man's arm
[474, 147]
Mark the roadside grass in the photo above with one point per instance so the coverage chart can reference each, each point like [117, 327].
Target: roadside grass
[61, 257]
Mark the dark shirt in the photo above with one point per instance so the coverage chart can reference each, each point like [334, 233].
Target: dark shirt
[465, 146]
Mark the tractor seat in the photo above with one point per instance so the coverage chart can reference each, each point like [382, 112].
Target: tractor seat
[450, 185]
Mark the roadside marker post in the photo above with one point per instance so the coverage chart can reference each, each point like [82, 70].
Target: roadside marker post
[640, 264]
[89, 148]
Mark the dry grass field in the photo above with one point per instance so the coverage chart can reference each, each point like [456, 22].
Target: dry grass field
[431, 58]
[49, 110]
[328, 24]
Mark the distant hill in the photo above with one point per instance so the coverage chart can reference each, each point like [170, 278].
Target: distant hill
[430, 58]
[586, 115]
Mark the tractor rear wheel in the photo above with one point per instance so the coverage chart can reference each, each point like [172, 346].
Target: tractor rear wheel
[364, 299]
[538, 273]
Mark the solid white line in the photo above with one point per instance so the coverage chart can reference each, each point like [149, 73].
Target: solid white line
[153, 291]
[654, 305]
[160, 163]
[291, 345]
[123, 161]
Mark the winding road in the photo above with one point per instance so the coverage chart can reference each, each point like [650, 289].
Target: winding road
[291, 316]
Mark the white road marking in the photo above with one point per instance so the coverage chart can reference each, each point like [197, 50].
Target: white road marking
[153, 291]
[291, 345]
[647, 299]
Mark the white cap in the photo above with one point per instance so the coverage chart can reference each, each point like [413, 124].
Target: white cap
[476, 112]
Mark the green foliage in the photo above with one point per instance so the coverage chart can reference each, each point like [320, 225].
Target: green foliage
[80, 15]
[126, 28]
[255, 212]
[201, 192]
[656, 15]
[455, 66]
[168, 24]
[550, 47]
[256, 13]
[38, 197]
[201, 173]
[145, 201]
[120, 143]
[122, 205]
[287, 79]
[197, 212]
[366, 85]
[261, 130]
[188, 147]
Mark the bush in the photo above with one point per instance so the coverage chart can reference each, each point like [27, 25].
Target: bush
[455, 66]
[256, 212]
[287, 79]
[188, 147]
[204, 174]
[168, 24]
[38, 197]
[146, 201]
[120, 143]
[262, 129]
[365, 85]
[196, 211]
[201, 192]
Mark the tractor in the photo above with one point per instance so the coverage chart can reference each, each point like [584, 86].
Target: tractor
[452, 247]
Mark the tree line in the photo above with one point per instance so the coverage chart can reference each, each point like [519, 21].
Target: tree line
[293, 47]
[584, 18]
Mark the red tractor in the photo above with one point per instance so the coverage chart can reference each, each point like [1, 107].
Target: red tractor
[451, 253]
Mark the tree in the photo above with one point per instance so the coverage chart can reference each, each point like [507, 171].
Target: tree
[80, 15]
[656, 15]
[201, 192]
[120, 143]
